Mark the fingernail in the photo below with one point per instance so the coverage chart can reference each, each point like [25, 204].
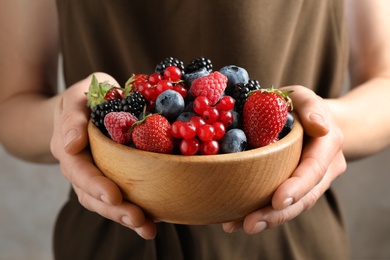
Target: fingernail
[260, 226]
[287, 202]
[235, 228]
[126, 220]
[105, 199]
[70, 136]
[317, 118]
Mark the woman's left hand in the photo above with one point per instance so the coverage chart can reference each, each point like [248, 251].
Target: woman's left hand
[322, 161]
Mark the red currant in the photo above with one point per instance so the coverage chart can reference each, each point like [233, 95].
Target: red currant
[209, 148]
[210, 115]
[225, 104]
[206, 133]
[150, 94]
[163, 85]
[143, 86]
[187, 130]
[219, 130]
[154, 78]
[197, 121]
[226, 118]
[189, 146]
[181, 89]
[201, 103]
[172, 73]
[175, 129]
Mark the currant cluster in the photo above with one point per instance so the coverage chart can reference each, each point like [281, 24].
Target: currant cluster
[205, 128]
[151, 86]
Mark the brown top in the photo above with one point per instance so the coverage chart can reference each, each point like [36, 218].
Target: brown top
[279, 42]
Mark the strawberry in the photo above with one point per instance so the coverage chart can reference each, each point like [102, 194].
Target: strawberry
[118, 125]
[133, 82]
[153, 134]
[100, 92]
[211, 86]
[264, 115]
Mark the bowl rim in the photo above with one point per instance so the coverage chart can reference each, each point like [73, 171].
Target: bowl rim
[295, 133]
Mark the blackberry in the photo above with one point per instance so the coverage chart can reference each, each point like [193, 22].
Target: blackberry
[134, 103]
[170, 61]
[240, 93]
[197, 64]
[100, 111]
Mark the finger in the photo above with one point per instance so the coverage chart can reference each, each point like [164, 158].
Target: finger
[230, 227]
[82, 173]
[311, 109]
[74, 123]
[126, 213]
[317, 155]
[270, 218]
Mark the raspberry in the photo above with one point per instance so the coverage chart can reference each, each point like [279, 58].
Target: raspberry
[197, 64]
[100, 111]
[211, 86]
[118, 125]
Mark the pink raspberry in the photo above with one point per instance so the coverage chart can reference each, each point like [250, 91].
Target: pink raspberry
[118, 125]
[211, 86]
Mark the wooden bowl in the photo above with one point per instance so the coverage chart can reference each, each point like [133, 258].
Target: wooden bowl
[201, 189]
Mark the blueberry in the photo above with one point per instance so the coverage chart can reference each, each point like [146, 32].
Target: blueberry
[287, 126]
[234, 141]
[190, 77]
[169, 104]
[235, 75]
[185, 116]
[237, 120]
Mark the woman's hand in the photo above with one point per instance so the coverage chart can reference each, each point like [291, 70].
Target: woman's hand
[69, 145]
[322, 161]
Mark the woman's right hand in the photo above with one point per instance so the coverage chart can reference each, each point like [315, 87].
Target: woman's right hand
[69, 145]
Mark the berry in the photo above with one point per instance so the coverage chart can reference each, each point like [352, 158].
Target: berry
[226, 103]
[264, 115]
[206, 132]
[98, 93]
[118, 125]
[197, 121]
[187, 130]
[99, 112]
[209, 148]
[170, 61]
[175, 129]
[287, 126]
[189, 146]
[172, 73]
[163, 85]
[133, 83]
[226, 118]
[169, 104]
[241, 92]
[199, 63]
[211, 86]
[154, 78]
[133, 103]
[185, 116]
[235, 76]
[210, 115]
[219, 130]
[190, 77]
[181, 90]
[234, 141]
[153, 134]
[200, 104]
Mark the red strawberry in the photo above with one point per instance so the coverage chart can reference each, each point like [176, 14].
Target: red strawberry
[118, 125]
[100, 92]
[133, 82]
[211, 86]
[264, 115]
[153, 134]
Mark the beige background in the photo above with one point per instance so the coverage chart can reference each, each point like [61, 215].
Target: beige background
[31, 195]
